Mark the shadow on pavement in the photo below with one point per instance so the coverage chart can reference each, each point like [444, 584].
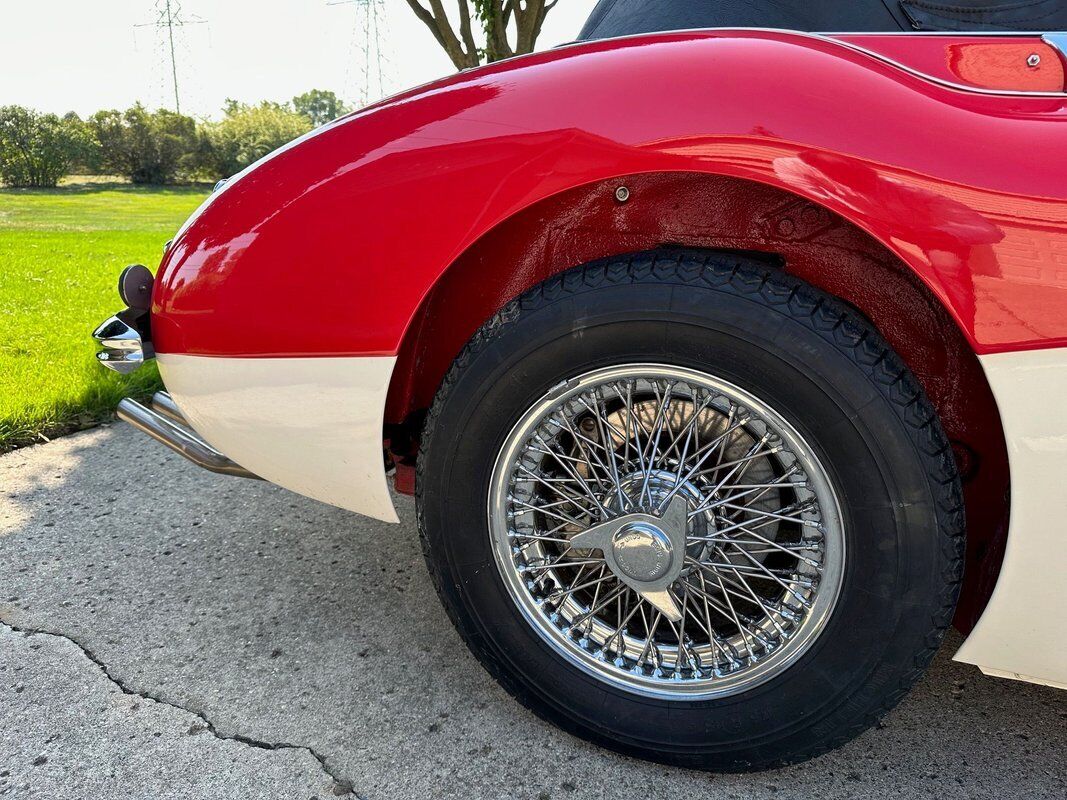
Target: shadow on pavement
[283, 620]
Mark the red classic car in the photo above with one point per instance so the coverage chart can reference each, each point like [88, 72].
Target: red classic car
[711, 357]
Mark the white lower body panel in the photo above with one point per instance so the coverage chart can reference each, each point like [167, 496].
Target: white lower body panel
[1022, 633]
[312, 425]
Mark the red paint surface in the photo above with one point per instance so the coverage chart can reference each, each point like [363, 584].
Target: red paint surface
[991, 63]
[330, 247]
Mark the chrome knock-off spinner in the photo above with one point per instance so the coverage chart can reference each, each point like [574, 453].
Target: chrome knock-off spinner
[645, 552]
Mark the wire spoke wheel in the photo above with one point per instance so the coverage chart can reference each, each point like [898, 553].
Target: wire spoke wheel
[666, 531]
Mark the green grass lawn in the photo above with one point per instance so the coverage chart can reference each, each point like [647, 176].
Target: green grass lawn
[61, 251]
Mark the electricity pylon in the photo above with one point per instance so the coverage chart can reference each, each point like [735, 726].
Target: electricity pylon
[169, 16]
[368, 38]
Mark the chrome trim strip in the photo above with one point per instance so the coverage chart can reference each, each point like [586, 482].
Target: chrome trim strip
[179, 439]
[832, 37]
[951, 34]
[1057, 41]
[941, 81]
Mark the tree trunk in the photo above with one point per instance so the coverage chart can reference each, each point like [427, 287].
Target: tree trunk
[528, 23]
[495, 17]
[437, 21]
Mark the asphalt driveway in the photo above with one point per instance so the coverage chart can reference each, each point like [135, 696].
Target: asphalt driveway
[168, 633]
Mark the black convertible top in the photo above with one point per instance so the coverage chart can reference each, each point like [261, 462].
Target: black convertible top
[625, 17]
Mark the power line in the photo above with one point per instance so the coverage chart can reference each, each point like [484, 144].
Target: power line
[169, 16]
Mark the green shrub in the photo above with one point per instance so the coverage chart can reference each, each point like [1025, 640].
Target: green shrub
[38, 149]
[86, 155]
[320, 106]
[246, 134]
[147, 147]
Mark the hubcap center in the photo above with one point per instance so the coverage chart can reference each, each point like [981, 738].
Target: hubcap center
[642, 551]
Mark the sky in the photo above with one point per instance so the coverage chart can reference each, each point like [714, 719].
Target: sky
[85, 55]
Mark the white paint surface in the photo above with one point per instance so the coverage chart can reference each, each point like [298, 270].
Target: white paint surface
[1022, 633]
[312, 425]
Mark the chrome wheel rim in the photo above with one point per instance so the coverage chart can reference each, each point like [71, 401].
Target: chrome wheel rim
[666, 531]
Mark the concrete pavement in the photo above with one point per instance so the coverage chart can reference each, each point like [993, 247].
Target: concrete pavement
[169, 633]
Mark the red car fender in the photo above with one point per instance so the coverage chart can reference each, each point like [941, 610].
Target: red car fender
[330, 246]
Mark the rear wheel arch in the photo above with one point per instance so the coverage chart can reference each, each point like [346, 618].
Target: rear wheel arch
[719, 213]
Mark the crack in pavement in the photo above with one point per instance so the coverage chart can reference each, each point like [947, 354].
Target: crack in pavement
[342, 787]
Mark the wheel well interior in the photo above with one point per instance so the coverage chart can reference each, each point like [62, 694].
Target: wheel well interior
[714, 212]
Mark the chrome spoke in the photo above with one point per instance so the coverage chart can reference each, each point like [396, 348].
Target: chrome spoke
[557, 563]
[762, 571]
[653, 444]
[527, 509]
[778, 514]
[562, 460]
[705, 453]
[559, 594]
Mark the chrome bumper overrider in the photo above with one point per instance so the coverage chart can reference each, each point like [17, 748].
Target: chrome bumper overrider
[123, 339]
[165, 423]
[121, 346]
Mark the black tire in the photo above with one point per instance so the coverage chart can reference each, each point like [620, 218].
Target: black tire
[843, 388]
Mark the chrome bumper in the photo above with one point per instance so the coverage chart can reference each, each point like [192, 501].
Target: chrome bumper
[165, 423]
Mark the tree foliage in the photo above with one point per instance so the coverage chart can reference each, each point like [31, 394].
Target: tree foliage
[494, 17]
[247, 133]
[157, 147]
[320, 106]
[38, 149]
[146, 147]
[86, 150]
